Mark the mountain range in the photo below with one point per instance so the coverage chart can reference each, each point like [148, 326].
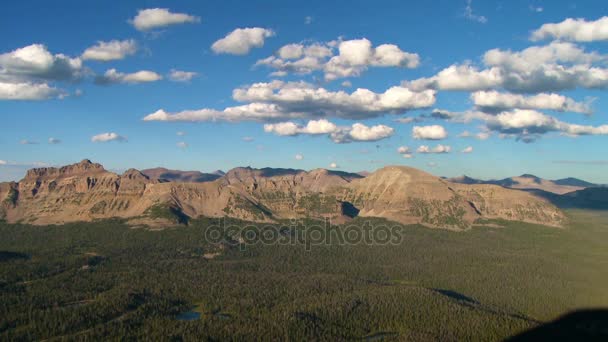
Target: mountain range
[531, 182]
[87, 191]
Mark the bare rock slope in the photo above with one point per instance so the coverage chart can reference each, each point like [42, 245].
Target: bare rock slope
[86, 191]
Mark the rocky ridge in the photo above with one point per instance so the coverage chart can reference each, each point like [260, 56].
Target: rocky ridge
[86, 191]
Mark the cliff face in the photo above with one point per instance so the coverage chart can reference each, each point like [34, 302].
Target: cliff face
[86, 191]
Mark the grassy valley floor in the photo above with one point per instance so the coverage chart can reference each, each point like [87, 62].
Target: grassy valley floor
[107, 280]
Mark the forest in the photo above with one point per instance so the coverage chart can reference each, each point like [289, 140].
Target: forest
[107, 280]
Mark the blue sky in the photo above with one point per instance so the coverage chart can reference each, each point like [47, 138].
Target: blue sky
[551, 124]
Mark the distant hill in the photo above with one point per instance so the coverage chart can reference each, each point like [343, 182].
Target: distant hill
[574, 182]
[589, 198]
[162, 174]
[531, 182]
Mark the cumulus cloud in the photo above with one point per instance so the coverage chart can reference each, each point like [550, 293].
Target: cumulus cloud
[404, 151]
[433, 132]
[25, 73]
[299, 156]
[242, 40]
[109, 51]
[54, 141]
[154, 18]
[493, 101]
[528, 125]
[334, 166]
[339, 134]
[318, 101]
[181, 76]
[35, 62]
[280, 100]
[579, 30]
[356, 55]
[298, 58]
[28, 91]
[112, 76]
[437, 149]
[468, 149]
[338, 59]
[554, 67]
[106, 137]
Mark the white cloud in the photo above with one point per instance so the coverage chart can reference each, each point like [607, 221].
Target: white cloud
[109, 51]
[28, 142]
[28, 91]
[493, 101]
[280, 100]
[528, 125]
[291, 51]
[353, 58]
[283, 128]
[249, 112]
[468, 13]
[299, 156]
[113, 76]
[579, 30]
[308, 20]
[3, 162]
[464, 77]
[405, 151]
[248, 139]
[242, 40]
[106, 137]
[307, 98]
[181, 133]
[333, 166]
[436, 149]
[537, 9]
[54, 141]
[153, 18]
[468, 149]
[298, 58]
[181, 76]
[554, 67]
[433, 132]
[34, 63]
[347, 84]
[182, 144]
[343, 134]
[361, 132]
[356, 55]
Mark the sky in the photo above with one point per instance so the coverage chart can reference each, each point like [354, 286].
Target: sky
[490, 89]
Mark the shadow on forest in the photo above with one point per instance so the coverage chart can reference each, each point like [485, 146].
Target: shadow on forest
[8, 256]
[457, 296]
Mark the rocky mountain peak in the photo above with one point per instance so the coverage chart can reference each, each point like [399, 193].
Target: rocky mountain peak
[83, 167]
